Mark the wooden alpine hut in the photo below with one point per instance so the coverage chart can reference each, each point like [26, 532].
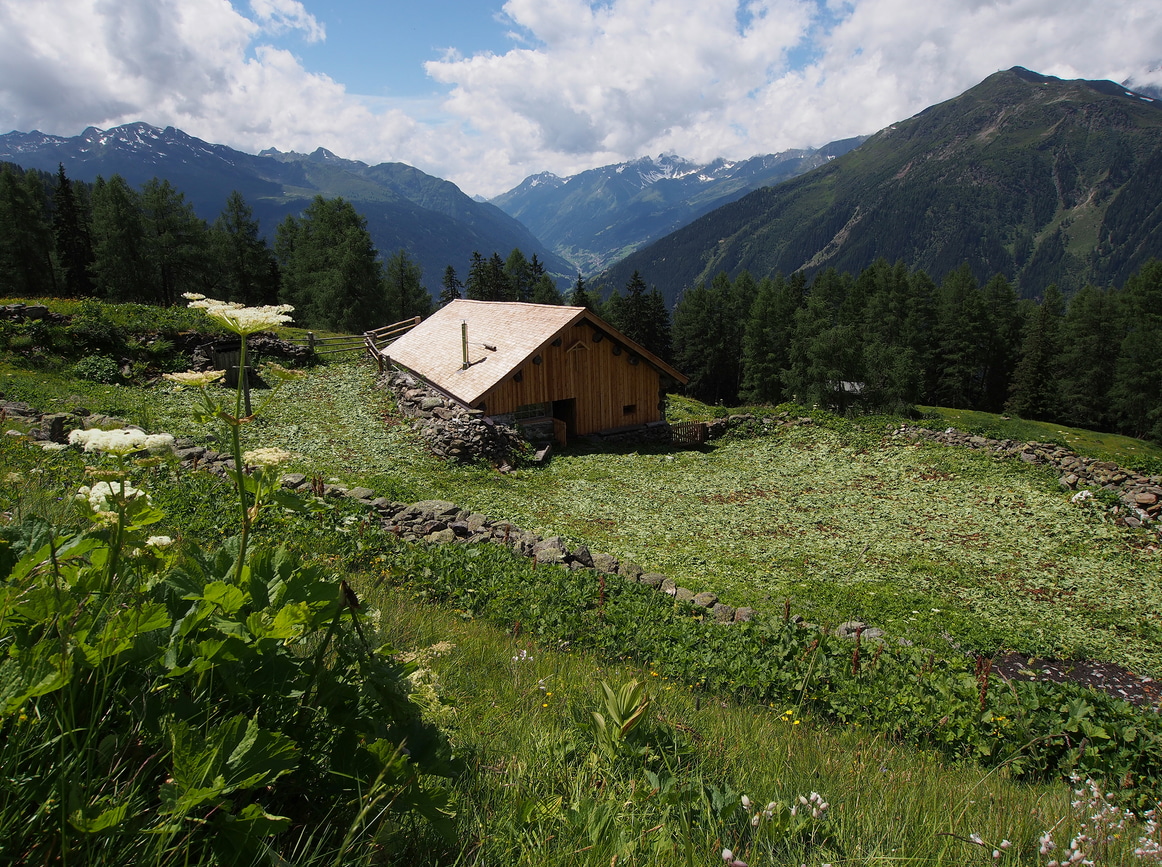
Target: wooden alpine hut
[537, 363]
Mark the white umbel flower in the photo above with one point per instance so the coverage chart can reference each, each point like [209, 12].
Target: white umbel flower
[120, 442]
[267, 457]
[240, 319]
[102, 495]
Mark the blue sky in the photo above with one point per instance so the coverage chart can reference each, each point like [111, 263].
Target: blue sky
[378, 49]
[486, 93]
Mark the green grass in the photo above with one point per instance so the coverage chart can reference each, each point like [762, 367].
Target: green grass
[1127, 451]
[532, 754]
[919, 539]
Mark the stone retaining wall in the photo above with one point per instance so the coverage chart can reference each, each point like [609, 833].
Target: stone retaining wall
[1140, 494]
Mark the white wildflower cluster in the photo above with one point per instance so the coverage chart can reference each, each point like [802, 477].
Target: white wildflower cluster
[266, 457]
[729, 859]
[423, 685]
[50, 446]
[522, 656]
[1102, 823]
[1149, 846]
[1081, 497]
[197, 378]
[103, 495]
[120, 442]
[812, 803]
[240, 319]
[159, 542]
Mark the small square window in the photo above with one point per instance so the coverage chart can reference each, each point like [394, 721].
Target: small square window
[629, 409]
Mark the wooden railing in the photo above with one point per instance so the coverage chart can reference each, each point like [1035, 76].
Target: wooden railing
[328, 345]
[379, 339]
[372, 341]
[689, 433]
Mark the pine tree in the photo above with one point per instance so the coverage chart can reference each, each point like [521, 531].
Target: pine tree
[330, 269]
[1091, 337]
[1136, 393]
[767, 336]
[1002, 342]
[579, 295]
[961, 338]
[74, 243]
[519, 275]
[825, 351]
[1034, 390]
[26, 244]
[545, 291]
[451, 287]
[406, 295]
[501, 287]
[476, 286]
[119, 245]
[243, 262]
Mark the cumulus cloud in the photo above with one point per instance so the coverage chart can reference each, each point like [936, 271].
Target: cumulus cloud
[706, 78]
[583, 83]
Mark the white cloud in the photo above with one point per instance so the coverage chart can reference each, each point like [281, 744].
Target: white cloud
[584, 83]
[279, 16]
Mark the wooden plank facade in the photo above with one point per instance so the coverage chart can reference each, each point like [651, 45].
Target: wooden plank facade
[535, 361]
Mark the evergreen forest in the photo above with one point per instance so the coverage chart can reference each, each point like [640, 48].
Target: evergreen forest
[888, 338]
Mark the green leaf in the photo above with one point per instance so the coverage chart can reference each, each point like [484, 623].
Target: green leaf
[238, 754]
[125, 625]
[226, 596]
[88, 821]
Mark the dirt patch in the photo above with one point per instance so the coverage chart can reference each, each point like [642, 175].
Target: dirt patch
[1104, 676]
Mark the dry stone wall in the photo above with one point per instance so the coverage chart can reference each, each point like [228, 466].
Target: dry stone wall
[1141, 495]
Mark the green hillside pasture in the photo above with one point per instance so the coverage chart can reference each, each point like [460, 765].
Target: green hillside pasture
[920, 540]
[917, 539]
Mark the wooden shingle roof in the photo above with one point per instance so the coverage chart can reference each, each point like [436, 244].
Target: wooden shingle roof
[502, 335]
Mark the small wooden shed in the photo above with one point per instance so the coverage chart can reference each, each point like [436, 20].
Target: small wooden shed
[538, 363]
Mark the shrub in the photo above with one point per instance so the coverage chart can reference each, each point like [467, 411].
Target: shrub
[97, 368]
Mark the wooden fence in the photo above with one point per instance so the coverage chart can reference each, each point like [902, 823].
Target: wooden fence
[379, 339]
[371, 341]
[688, 433]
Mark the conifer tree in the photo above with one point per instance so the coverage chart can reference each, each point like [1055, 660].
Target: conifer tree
[767, 336]
[74, 243]
[405, 292]
[579, 295]
[1091, 336]
[1136, 392]
[960, 341]
[519, 275]
[244, 265]
[176, 243]
[1034, 390]
[545, 291]
[330, 269]
[451, 287]
[26, 246]
[476, 286]
[119, 245]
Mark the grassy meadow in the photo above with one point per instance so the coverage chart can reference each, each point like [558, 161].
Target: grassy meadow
[949, 550]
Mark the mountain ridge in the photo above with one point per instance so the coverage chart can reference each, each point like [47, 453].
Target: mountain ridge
[1039, 179]
[597, 216]
[405, 208]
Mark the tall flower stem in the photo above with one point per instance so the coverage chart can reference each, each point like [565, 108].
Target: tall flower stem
[236, 444]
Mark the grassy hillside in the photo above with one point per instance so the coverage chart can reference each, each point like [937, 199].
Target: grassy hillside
[840, 518]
